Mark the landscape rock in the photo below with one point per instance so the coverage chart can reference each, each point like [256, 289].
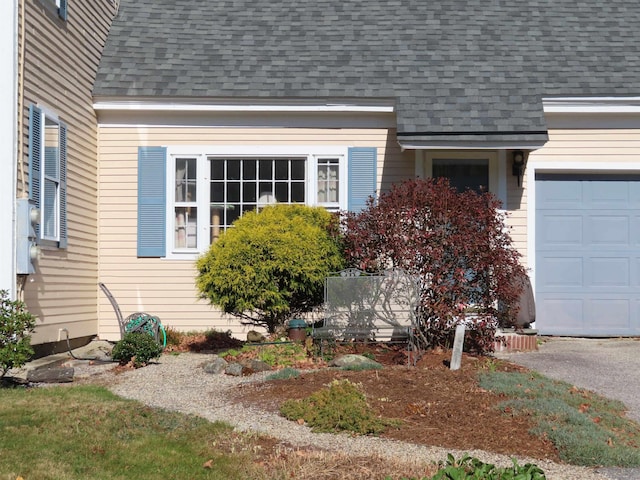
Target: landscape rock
[234, 369]
[351, 360]
[51, 375]
[216, 366]
[256, 365]
[255, 337]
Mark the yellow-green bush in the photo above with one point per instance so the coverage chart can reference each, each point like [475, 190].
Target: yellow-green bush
[272, 264]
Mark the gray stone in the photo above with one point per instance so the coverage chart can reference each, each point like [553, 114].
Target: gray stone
[255, 337]
[256, 365]
[352, 360]
[234, 369]
[215, 366]
[51, 375]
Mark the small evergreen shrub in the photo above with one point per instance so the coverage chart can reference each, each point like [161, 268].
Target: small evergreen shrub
[136, 347]
[340, 406]
[16, 325]
[271, 265]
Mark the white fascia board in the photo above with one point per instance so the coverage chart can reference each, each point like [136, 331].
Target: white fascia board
[224, 107]
[591, 105]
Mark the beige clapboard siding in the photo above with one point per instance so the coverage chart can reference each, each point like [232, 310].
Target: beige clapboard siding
[60, 63]
[517, 213]
[591, 145]
[166, 287]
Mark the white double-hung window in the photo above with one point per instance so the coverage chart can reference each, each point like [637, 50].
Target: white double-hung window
[210, 187]
[47, 175]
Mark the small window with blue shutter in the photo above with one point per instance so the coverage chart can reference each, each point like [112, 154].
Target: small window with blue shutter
[48, 175]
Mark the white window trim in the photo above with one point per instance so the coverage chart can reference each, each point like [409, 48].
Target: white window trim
[203, 152]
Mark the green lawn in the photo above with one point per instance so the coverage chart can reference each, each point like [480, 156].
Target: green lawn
[75, 433]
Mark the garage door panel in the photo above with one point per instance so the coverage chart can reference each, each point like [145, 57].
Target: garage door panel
[607, 272]
[561, 230]
[560, 271]
[560, 313]
[553, 196]
[608, 230]
[614, 313]
[588, 254]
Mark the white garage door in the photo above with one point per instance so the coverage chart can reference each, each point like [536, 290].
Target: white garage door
[587, 254]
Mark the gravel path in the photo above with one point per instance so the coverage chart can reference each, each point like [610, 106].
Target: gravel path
[179, 383]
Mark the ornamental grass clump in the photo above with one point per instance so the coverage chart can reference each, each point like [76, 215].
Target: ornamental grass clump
[340, 406]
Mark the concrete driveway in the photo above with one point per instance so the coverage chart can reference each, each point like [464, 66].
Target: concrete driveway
[608, 366]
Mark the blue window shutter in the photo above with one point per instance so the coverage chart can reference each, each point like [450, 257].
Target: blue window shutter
[63, 186]
[35, 157]
[62, 10]
[152, 201]
[363, 172]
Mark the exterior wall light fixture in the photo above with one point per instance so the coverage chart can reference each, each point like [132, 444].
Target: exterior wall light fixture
[518, 165]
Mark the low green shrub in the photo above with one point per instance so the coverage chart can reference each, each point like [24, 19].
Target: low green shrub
[340, 406]
[136, 347]
[468, 468]
[587, 429]
[284, 374]
[16, 326]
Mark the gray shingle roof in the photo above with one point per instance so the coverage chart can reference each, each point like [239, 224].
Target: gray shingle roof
[473, 67]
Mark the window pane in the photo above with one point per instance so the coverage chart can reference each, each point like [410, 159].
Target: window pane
[186, 180]
[51, 162]
[265, 189]
[297, 169]
[249, 169]
[266, 169]
[49, 208]
[217, 192]
[51, 147]
[282, 192]
[186, 227]
[464, 174]
[217, 217]
[297, 192]
[217, 169]
[282, 169]
[233, 169]
[249, 192]
[232, 213]
[328, 180]
[233, 192]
